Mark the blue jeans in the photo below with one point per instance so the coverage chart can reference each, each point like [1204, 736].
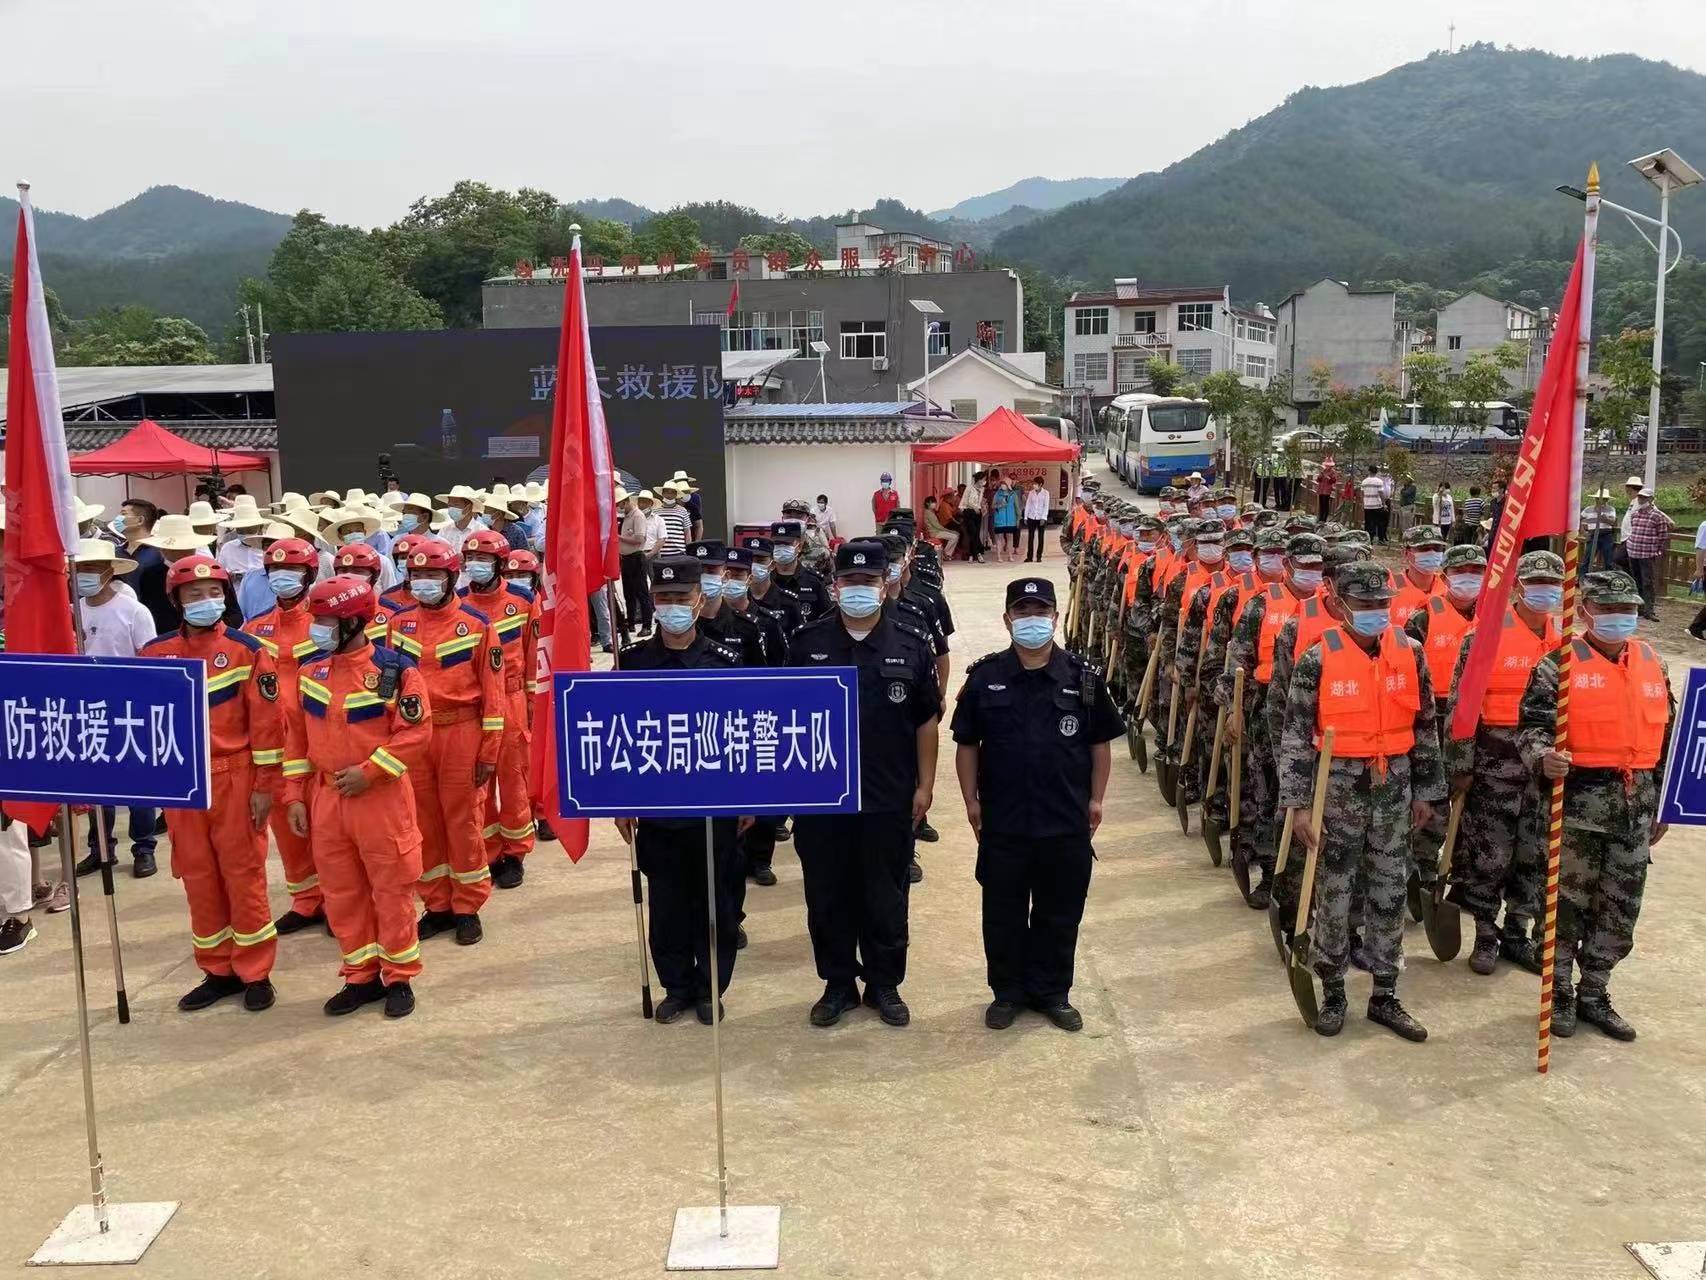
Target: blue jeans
[141, 831]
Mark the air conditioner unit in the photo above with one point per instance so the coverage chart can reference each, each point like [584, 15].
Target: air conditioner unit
[880, 364]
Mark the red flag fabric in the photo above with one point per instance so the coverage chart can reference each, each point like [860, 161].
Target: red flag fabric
[1540, 501]
[580, 538]
[41, 524]
[734, 298]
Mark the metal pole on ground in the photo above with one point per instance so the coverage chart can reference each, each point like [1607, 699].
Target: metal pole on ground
[634, 867]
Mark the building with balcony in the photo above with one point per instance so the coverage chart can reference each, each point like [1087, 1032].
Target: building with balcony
[1110, 337]
[1476, 322]
[1352, 333]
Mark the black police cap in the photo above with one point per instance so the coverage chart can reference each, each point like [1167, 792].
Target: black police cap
[708, 549]
[675, 571]
[863, 555]
[1022, 589]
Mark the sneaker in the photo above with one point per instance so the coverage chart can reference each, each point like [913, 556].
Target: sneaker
[143, 866]
[293, 921]
[927, 833]
[40, 892]
[213, 988]
[1000, 1014]
[1521, 950]
[399, 1000]
[1260, 896]
[1384, 1008]
[433, 923]
[1697, 635]
[507, 871]
[354, 995]
[888, 1004]
[259, 995]
[783, 833]
[1062, 1015]
[16, 934]
[468, 930]
[914, 873]
[834, 1002]
[1331, 1019]
[765, 876]
[672, 1007]
[702, 1010]
[1595, 1007]
[60, 898]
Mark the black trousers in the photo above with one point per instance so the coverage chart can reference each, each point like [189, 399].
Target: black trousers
[972, 524]
[1035, 533]
[1033, 900]
[672, 857]
[758, 845]
[636, 593]
[855, 871]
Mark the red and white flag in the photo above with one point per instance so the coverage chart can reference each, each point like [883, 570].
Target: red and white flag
[41, 521]
[734, 299]
[1543, 496]
[580, 538]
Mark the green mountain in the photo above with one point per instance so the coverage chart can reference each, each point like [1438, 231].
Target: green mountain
[1435, 170]
[1037, 194]
[617, 210]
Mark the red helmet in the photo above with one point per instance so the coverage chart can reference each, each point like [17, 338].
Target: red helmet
[521, 561]
[196, 568]
[292, 553]
[404, 543]
[343, 595]
[434, 553]
[485, 542]
[358, 555]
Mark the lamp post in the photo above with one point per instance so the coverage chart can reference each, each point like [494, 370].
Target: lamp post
[820, 348]
[1667, 171]
[928, 308]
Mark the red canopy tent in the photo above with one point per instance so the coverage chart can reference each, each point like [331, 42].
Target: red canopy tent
[1002, 436]
[148, 449]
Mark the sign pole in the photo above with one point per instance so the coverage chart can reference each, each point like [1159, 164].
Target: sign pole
[716, 1024]
[97, 1175]
[634, 867]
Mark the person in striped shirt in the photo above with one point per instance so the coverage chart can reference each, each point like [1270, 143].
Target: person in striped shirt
[676, 520]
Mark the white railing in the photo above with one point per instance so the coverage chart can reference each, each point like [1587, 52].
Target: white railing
[1160, 338]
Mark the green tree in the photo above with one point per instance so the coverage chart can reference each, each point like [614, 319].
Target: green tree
[1226, 396]
[796, 245]
[58, 323]
[1429, 376]
[333, 278]
[1481, 382]
[135, 335]
[1625, 362]
[1164, 376]
[675, 233]
[447, 246]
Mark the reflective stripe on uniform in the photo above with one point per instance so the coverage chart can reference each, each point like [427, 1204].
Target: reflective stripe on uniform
[388, 762]
[458, 645]
[302, 886]
[491, 830]
[255, 939]
[297, 768]
[267, 757]
[303, 649]
[513, 833]
[207, 944]
[315, 690]
[225, 679]
[436, 873]
[491, 724]
[471, 877]
[408, 644]
[373, 951]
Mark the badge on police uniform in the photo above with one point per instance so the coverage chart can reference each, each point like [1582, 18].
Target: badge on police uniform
[461, 628]
[897, 692]
[1068, 726]
[497, 658]
[410, 708]
[509, 610]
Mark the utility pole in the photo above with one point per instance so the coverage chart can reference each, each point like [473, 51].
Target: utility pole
[1451, 36]
[261, 324]
[248, 334]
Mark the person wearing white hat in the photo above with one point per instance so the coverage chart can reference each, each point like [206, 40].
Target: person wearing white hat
[205, 519]
[631, 548]
[463, 504]
[86, 516]
[676, 521]
[237, 552]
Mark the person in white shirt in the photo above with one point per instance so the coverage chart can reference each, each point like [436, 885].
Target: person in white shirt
[1632, 486]
[825, 516]
[1036, 520]
[1599, 532]
[1374, 504]
[1445, 509]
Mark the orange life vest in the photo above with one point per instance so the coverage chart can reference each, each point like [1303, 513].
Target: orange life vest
[1618, 710]
[1370, 701]
[1281, 605]
[1218, 586]
[1447, 630]
[1411, 598]
[1138, 557]
[1519, 652]
[1312, 620]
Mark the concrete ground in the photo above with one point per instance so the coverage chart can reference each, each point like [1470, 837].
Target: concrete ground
[527, 1122]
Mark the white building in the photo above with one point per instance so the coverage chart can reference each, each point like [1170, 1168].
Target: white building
[1352, 333]
[1476, 322]
[976, 381]
[1111, 337]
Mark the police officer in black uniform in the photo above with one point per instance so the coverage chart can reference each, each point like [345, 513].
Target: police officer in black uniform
[1032, 724]
[671, 852]
[897, 547]
[807, 586]
[717, 621]
[737, 611]
[766, 596]
[855, 866]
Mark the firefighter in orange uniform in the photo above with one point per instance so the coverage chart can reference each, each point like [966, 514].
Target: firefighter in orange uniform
[291, 565]
[221, 853]
[462, 662]
[360, 714]
[398, 596]
[514, 614]
[362, 561]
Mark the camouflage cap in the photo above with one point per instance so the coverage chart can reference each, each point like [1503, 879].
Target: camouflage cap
[1305, 546]
[1466, 556]
[1151, 524]
[1253, 509]
[1238, 538]
[1541, 564]
[1331, 530]
[1301, 522]
[1266, 519]
[1209, 531]
[1423, 535]
[1176, 525]
[1270, 540]
[1338, 555]
[1610, 586]
[1356, 538]
[1363, 579]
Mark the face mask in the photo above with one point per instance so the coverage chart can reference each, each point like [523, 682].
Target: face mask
[733, 588]
[88, 584]
[1306, 580]
[408, 524]
[892, 573]
[481, 571]
[1464, 586]
[1177, 541]
[677, 619]
[1370, 622]
[286, 583]
[1226, 513]
[426, 590]
[1272, 565]
[669, 502]
[1429, 561]
[860, 601]
[1032, 633]
[1613, 627]
[1210, 553]
[324, 635]
[204, 613]
[761, 573]
[1543, 599]
[710, 586]
[1146, 545]
[117, 526]
[459, 514]
[1240, 560]
[523, 580]
[536, 508]
[787, 555]
[352, 537]
[479, 522]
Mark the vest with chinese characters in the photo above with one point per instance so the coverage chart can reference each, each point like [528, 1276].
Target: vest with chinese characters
[1411, 598]
[1312, 620]
[1280, 606]
[1447, 629]
[1519, 652]
[1618, 710]
[1370, 700]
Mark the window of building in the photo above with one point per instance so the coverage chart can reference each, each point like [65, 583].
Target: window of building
[1088, 322]
[1089, 366]
[965, 410]
[710, 317]
[767, 330]
[1255, 366]
[1143, 322]
[1196, 315]
[1454, 342]
[941, 338]
[1131, 371]
[1197, 364]
[1254, 331]
[864, 340]
[992, 335]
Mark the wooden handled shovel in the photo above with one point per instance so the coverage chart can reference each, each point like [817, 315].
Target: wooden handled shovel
[1276, 920]
[1302, 972]
[1441, 920]
[1235, 750]
[1184, 763]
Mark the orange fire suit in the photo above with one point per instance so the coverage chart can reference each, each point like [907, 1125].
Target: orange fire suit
[367, 846]
[283, 633]
[508, 800]
[217, 852]
[461, 659]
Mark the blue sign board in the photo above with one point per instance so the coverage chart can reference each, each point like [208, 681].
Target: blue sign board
[690, 744]
[1684, 797]
[76, 730]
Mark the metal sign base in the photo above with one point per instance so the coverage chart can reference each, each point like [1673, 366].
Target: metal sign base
[131, 1228]
[1672, 1260]
[753, 1242]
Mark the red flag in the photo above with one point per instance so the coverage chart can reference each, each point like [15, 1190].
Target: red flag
[580, 537]
[41, 525]
[734, 299]
[1540, 501]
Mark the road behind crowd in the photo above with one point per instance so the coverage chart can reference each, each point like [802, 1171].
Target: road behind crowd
[527, 1122]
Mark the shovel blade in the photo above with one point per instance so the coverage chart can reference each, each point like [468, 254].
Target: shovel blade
[1183, 806]
[1134, 742]
[1211, 838]
[1164, 776]
[1276, 926]
[1413, 895]
[1443, 923]
[1303, 982]
[1240, 869]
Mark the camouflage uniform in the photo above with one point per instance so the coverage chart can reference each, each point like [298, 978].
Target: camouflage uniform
[1210, 668]
[1187, 651]
[1134, 650]
[1608, 821]
[1168, 611]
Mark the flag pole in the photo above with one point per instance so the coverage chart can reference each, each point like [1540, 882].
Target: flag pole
[1572, 559]
[633, 865]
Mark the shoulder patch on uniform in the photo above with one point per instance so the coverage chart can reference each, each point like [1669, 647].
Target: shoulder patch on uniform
[633, 648]
[727, 654]
[385, 655]
[517, 589]
[988, 657]
[473, 612]
[158, 640]
[268, 685]
[409, 707]
[401, 609]
[243, 638]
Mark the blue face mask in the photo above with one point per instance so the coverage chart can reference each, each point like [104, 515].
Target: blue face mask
[1032, 633]
[1177, 541]
[1370, 622]
[893, 572]
[88, 584]
[761, 573]
[1543, 599]
[732, 588]
[787, 555]
[1240, 561]
[710, 586]
[1273, 565]
[860, 601]
[324, 635]
[1464, 586]
[286, 584]
[1209, 552]
[351, 538]
[1429, 561]
[408, 524]
[204, 613]
[1306, 580]
[677, 619]
[1613, 627]
[1228, 512]
[481, 571]
[117, 525]
[426, 590]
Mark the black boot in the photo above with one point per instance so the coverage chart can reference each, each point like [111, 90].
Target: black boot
[1384, 1008]
[672, 1007]
[1563, 1005]
[213, 988]
[1332, 1019]
[835, 1001]
[507, 871]
[764, 875]
[293, 920]
[433, 923]
[468, 930]
[888, 1004]
[702, 1010]
[354, 995]
[927, 833]
[142, 866]
[914, 872]
[740, 938]
[1516, 946]
[399, 1000]
[1485, 958]
[1594, 1005]
[259, 995]
[1061, 1013]
[1000, 1014]
[1263, 893]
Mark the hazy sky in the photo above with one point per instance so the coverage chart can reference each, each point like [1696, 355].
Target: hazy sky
[356, 107]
